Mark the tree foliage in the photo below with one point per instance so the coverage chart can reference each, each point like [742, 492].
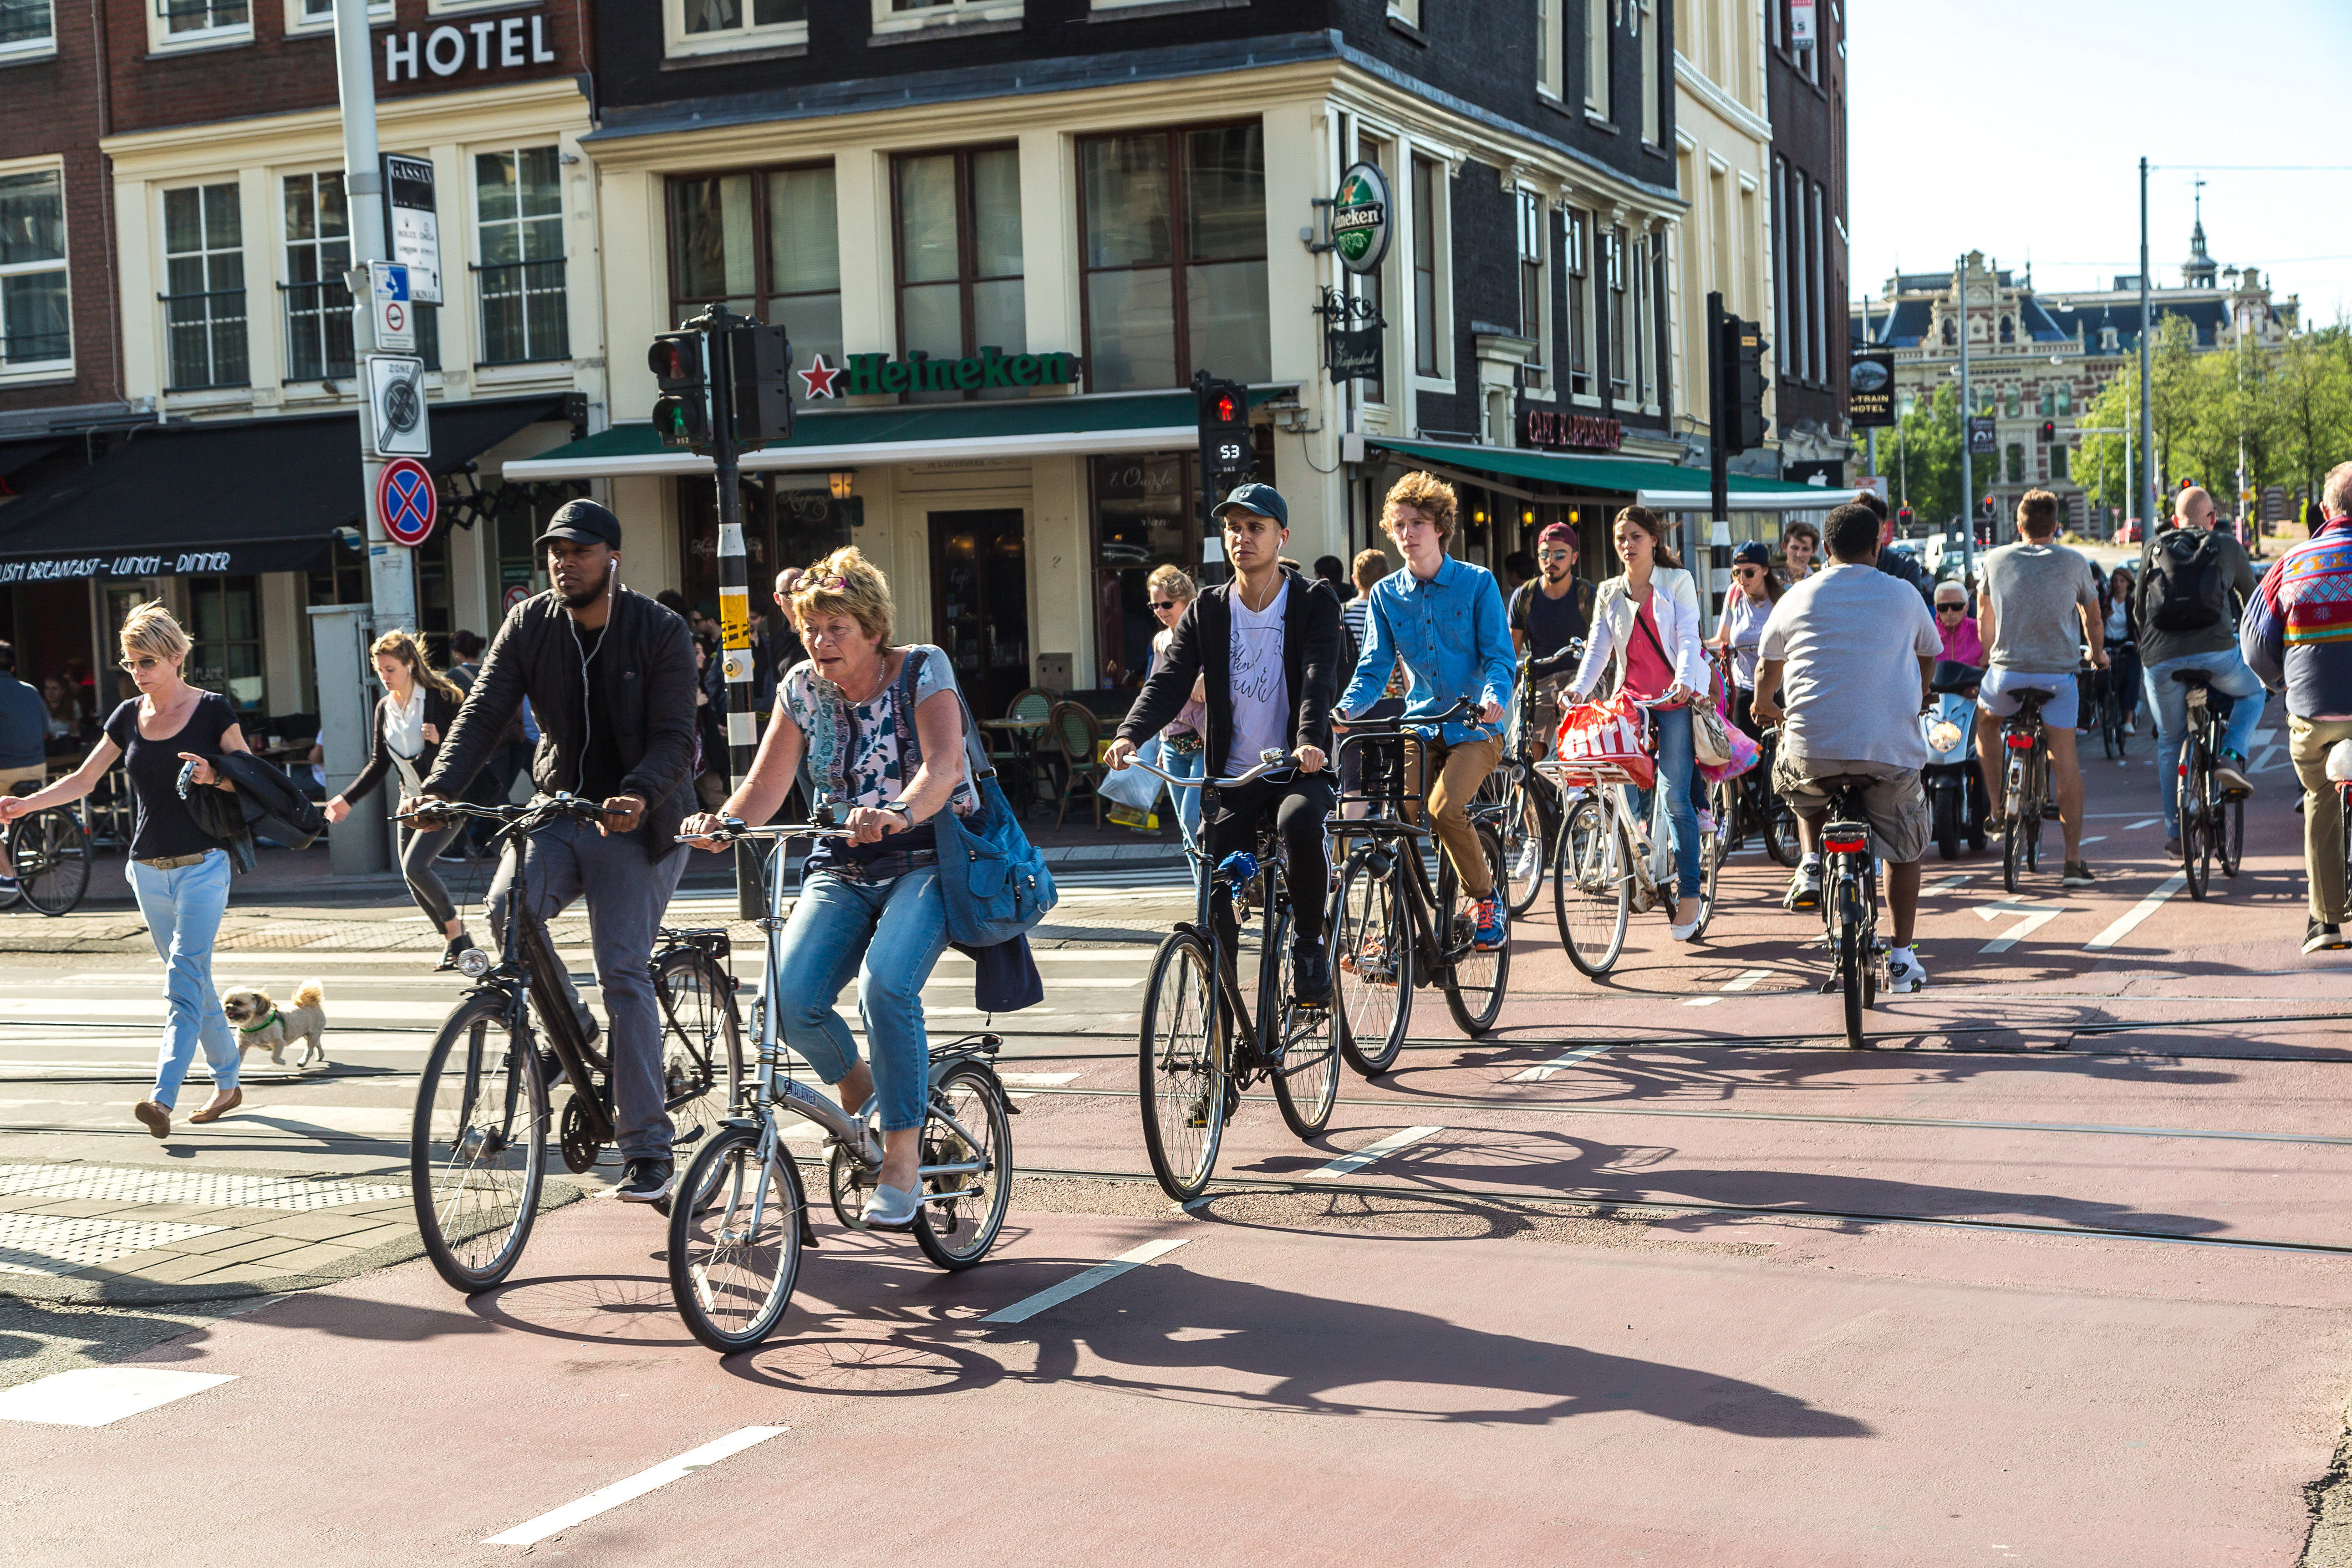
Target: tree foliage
[1926, 462]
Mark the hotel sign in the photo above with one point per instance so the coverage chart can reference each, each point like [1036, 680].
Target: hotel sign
[862, 375]
[1578, 432]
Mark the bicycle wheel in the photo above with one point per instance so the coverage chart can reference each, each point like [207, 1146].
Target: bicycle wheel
[2189, 802]
[702, 1047]
[49, 853]
[1372, 961]
[1524, 840]
[477, 1147]
[1477, 980]
[1853, 956]
[1781, 841]
[1306, 1084]
[1181, 1068]
[2038, 805]
[2111, 726]
[1591, 891]
[1711, 853]
[968, 1126]
[735, 1253]
[2229, 834]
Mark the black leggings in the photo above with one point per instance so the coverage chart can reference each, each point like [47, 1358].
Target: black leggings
[1299, 804]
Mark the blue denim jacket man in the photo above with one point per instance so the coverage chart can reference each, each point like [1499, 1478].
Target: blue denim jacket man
[1452, 633]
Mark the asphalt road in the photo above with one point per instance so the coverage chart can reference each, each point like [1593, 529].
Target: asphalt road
[1657, 1272]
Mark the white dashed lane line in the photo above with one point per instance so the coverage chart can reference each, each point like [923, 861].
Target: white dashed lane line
[101, 1395]
[1348, 1164]
[1028, 1307]
[2130, 920]
[636, 1486]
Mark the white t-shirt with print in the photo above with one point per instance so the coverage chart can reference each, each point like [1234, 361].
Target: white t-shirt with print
[1261, 695]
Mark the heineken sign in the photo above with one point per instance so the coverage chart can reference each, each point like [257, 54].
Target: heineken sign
[860, 374]
[1360, 217]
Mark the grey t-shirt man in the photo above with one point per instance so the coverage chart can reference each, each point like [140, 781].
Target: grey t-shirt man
[2035, 591]
[1853, 638]
[2222, 636]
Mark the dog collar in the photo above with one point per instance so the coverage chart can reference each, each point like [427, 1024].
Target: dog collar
[252, 1028]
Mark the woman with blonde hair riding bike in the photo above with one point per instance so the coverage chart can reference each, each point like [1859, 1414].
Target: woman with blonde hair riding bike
[1645, 642]
[881, 730]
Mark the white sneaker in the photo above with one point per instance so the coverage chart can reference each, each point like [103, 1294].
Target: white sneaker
[1804, 887]
[1531, 860]
[1905, 973]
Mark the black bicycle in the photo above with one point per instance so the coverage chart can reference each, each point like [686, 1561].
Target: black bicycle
[478, 1148]
[1402, 922]
[1527, 808]
[2025, 787]
[2212, 820]
[48, 854]
[1200, 1046]
[1850, 901]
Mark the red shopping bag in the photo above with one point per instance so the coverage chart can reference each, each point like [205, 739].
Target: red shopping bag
[1606, 737]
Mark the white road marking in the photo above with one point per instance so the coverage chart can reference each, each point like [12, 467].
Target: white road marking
[1348, 1164]
[2130, 919]
[2095, 839]
[2032, 917]
[2262, 763]
[1582, 1054]
[2144, 822]
[1947, 884]
[1747, 978]
[1028, 1307]
[99, 1396]
[1015, 1083]
[636, 1486]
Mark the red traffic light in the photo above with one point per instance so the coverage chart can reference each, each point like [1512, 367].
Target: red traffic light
[1227, 410]
[668, 360]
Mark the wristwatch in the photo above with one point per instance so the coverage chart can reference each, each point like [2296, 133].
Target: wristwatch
[905, 813]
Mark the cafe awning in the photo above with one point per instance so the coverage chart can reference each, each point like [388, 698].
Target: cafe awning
[908, 433]
[244, 495]
[1660, 484]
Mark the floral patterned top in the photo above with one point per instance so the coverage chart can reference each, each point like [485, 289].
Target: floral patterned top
[862, 753]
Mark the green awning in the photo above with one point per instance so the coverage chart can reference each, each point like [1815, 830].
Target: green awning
[908, 433]
[1660, 484]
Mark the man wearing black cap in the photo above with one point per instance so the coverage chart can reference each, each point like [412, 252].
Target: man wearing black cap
[610, 676]
[1268, 643]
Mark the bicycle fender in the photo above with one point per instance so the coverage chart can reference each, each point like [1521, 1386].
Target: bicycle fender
[941, 1066]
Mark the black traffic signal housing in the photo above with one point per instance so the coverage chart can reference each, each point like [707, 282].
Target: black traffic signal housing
[1903, 520]
[759, 360]
[1225, 449]
[682, 411]
[1741, 356]
[2049, 431]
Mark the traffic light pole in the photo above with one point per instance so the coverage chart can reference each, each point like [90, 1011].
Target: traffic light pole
[1968, 411]
[1721, 411]
[734, 589]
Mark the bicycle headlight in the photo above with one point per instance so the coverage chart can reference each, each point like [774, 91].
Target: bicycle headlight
[1943, 734]
[474, 963]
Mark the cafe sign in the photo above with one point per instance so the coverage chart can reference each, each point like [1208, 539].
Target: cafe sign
[861, 374]
[1579, 432]
[1360, 217]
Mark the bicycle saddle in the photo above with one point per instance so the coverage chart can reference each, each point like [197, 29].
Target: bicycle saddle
[1951, 675]
[1829, 783]
[2193, 677]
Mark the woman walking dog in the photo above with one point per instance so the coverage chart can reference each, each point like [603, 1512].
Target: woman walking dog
[178, 873]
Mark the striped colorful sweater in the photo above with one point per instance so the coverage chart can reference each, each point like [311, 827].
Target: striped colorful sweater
[2298, 630]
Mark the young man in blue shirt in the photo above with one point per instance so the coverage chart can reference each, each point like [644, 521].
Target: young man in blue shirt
[1445, 618]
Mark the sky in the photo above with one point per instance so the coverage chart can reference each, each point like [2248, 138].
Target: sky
[2015, 127]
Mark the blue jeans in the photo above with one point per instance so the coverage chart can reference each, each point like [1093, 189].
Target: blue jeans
[1675, 760]
[890, 934]
[182, 910]
[2167, 699]
[1192, 764]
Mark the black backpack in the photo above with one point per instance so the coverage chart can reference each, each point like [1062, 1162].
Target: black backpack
[2186, 590]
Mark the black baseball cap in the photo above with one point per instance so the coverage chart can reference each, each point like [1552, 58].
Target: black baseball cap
[1262, 499]
[1755, 552]
[582, 522]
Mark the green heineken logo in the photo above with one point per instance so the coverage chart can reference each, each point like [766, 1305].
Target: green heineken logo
[863, 374]
[1360, 217]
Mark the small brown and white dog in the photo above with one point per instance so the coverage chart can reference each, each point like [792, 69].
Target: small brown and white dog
[261, 1022]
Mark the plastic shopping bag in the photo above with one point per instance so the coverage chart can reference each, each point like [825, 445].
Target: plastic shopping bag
[1595, 735]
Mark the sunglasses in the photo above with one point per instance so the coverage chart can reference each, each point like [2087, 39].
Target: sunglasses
[1557, 555]
[1752, 571]
[135, 664]
[1163, 605]
[1949, 609]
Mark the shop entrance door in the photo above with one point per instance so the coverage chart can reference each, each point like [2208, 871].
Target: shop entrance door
[980, 604]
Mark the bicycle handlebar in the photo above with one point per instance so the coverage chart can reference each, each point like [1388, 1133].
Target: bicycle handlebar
[1463, 707]
[1268, 762]
[560, 803]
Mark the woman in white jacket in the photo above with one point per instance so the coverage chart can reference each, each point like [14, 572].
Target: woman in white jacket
[1645, 641]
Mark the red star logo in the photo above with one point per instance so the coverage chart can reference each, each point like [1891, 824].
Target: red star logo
[821, 376]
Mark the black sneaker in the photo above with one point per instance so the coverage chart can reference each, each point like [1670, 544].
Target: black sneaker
[2229, 773]
[2318, 936]
[2172, 848]
[1310, 974]
[2077, 875]
[646, 1181]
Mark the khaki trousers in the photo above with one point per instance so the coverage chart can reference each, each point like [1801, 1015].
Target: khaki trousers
[1461, 769]
[2308, 742]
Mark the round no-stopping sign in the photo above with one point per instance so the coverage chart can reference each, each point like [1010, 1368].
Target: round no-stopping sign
[406, 499]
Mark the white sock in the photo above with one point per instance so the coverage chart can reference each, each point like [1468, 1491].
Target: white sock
[1814, 860]
[1904, 952]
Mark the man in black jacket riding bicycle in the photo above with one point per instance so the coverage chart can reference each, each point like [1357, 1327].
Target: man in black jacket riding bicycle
[1269, 643]
[610, 676]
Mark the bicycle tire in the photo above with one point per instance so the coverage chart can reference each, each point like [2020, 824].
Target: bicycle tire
[1181, 1067]
[2111, 726]
[1372, 961]
[702, 1046]
[474, 1244]
[1477, 982]
[2012, 832]
[1711, 854]
[49, 855]
[1307, 1081]
[970, 1094]
[1527, 840]
[1851, 959]
[1592, 889]
[1781, 841]
[735, 1255]
[2229, 834]
[2039, 772]
[2188, 802]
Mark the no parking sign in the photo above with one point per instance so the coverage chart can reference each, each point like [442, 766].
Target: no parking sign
[407, 500]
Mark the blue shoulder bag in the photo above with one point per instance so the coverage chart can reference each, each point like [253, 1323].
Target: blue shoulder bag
[992, 879]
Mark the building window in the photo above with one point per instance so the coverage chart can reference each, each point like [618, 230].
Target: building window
[27, 27]
[36, 319]
[2008, 330]
[702, 26]
[1531, 286]
[960, 287]
[518, 208]
[1646, 325]
[2011, 405]
[2065, 402]
[1549, 47]
[204, 269]
[1575, 255]
[2049, 403]
[766, 243]
[1428, 245]
[1596, 56]
[2016, 463]
[317, 254]
[908, 15]
[194, 21]
[318, 15]
[1782, 253]
[224, 626]
[1642, 14]
[1620, 386]
[1174, 257]
[2057, 461]
[1817, 273]
[1406, 11]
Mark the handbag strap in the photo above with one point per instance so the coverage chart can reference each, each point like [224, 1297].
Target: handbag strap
[975, 759]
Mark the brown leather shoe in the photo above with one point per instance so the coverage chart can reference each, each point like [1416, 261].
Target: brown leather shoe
[219, 1107]
[156, 1115]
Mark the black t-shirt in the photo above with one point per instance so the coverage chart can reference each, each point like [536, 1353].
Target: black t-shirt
[600, 751]
[160, 823]
[1549, 624]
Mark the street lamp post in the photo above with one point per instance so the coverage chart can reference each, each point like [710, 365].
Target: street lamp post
[2147, 374]
[1967, 407]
